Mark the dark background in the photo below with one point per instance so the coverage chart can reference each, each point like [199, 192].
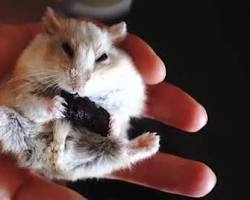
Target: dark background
[206, 47]
[205, 44]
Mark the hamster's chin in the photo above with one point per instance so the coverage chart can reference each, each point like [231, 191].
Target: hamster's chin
[66, 88]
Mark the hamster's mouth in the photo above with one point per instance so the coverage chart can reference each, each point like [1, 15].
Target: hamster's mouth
[83, 112]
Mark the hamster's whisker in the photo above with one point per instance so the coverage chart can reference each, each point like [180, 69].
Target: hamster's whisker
[22, 86]
[49, 86]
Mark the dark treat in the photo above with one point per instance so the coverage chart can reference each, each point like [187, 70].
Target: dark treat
[85, 113]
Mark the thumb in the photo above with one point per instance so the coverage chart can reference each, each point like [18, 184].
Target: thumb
[21, 184]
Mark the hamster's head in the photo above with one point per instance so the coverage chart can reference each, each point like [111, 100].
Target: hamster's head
[77, 48]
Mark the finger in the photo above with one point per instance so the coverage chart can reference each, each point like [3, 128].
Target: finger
[171, 174]
[20, 184]
[169, 104]
[148, 63]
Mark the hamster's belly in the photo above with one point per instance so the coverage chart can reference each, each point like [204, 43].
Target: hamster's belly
[125, 100]
[110, 100]
[118, 90]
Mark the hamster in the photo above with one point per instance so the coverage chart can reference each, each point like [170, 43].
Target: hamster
[79, 58]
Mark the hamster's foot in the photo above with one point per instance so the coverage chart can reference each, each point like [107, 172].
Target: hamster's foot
[144, 146]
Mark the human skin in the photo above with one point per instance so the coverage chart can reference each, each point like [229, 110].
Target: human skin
[166, 103]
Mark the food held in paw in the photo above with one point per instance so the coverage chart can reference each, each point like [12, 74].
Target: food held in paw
[83, 112]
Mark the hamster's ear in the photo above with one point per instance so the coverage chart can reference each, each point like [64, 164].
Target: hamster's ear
[51, 21]
[118, 32]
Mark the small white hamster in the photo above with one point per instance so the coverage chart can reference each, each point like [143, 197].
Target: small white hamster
[78, 57]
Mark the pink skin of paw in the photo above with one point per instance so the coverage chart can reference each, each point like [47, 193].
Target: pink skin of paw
[146, 141]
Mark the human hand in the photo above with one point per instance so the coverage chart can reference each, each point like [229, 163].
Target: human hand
[168, 173]
[170, 105]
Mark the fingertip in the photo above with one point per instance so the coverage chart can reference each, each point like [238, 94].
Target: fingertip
[171, 105]
[203, 181]
[157, 75]
[196, 118]
[150, 66]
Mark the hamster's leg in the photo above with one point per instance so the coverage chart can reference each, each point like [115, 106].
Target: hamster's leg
[114, 125]
[143, 146]
[118, 125]
[40, 109]
[60, 131]
[96, 158]
[15, 132]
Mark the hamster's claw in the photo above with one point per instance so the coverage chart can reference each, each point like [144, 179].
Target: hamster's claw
[56, 107]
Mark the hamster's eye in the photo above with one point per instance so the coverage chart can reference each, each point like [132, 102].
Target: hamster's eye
[102, 58]
[67, 49]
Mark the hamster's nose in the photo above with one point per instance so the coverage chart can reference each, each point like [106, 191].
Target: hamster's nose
[76, 89]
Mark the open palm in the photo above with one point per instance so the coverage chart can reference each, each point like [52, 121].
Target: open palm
[166, 103]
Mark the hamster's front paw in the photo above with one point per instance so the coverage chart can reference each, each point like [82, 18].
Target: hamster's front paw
[56, 108]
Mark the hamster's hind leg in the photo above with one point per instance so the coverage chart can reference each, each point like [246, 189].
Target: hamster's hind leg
[89, 157]
[15, 131]
[60, 131]
[143, 146]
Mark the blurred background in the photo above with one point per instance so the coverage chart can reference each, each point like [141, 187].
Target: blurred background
[206, 47]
